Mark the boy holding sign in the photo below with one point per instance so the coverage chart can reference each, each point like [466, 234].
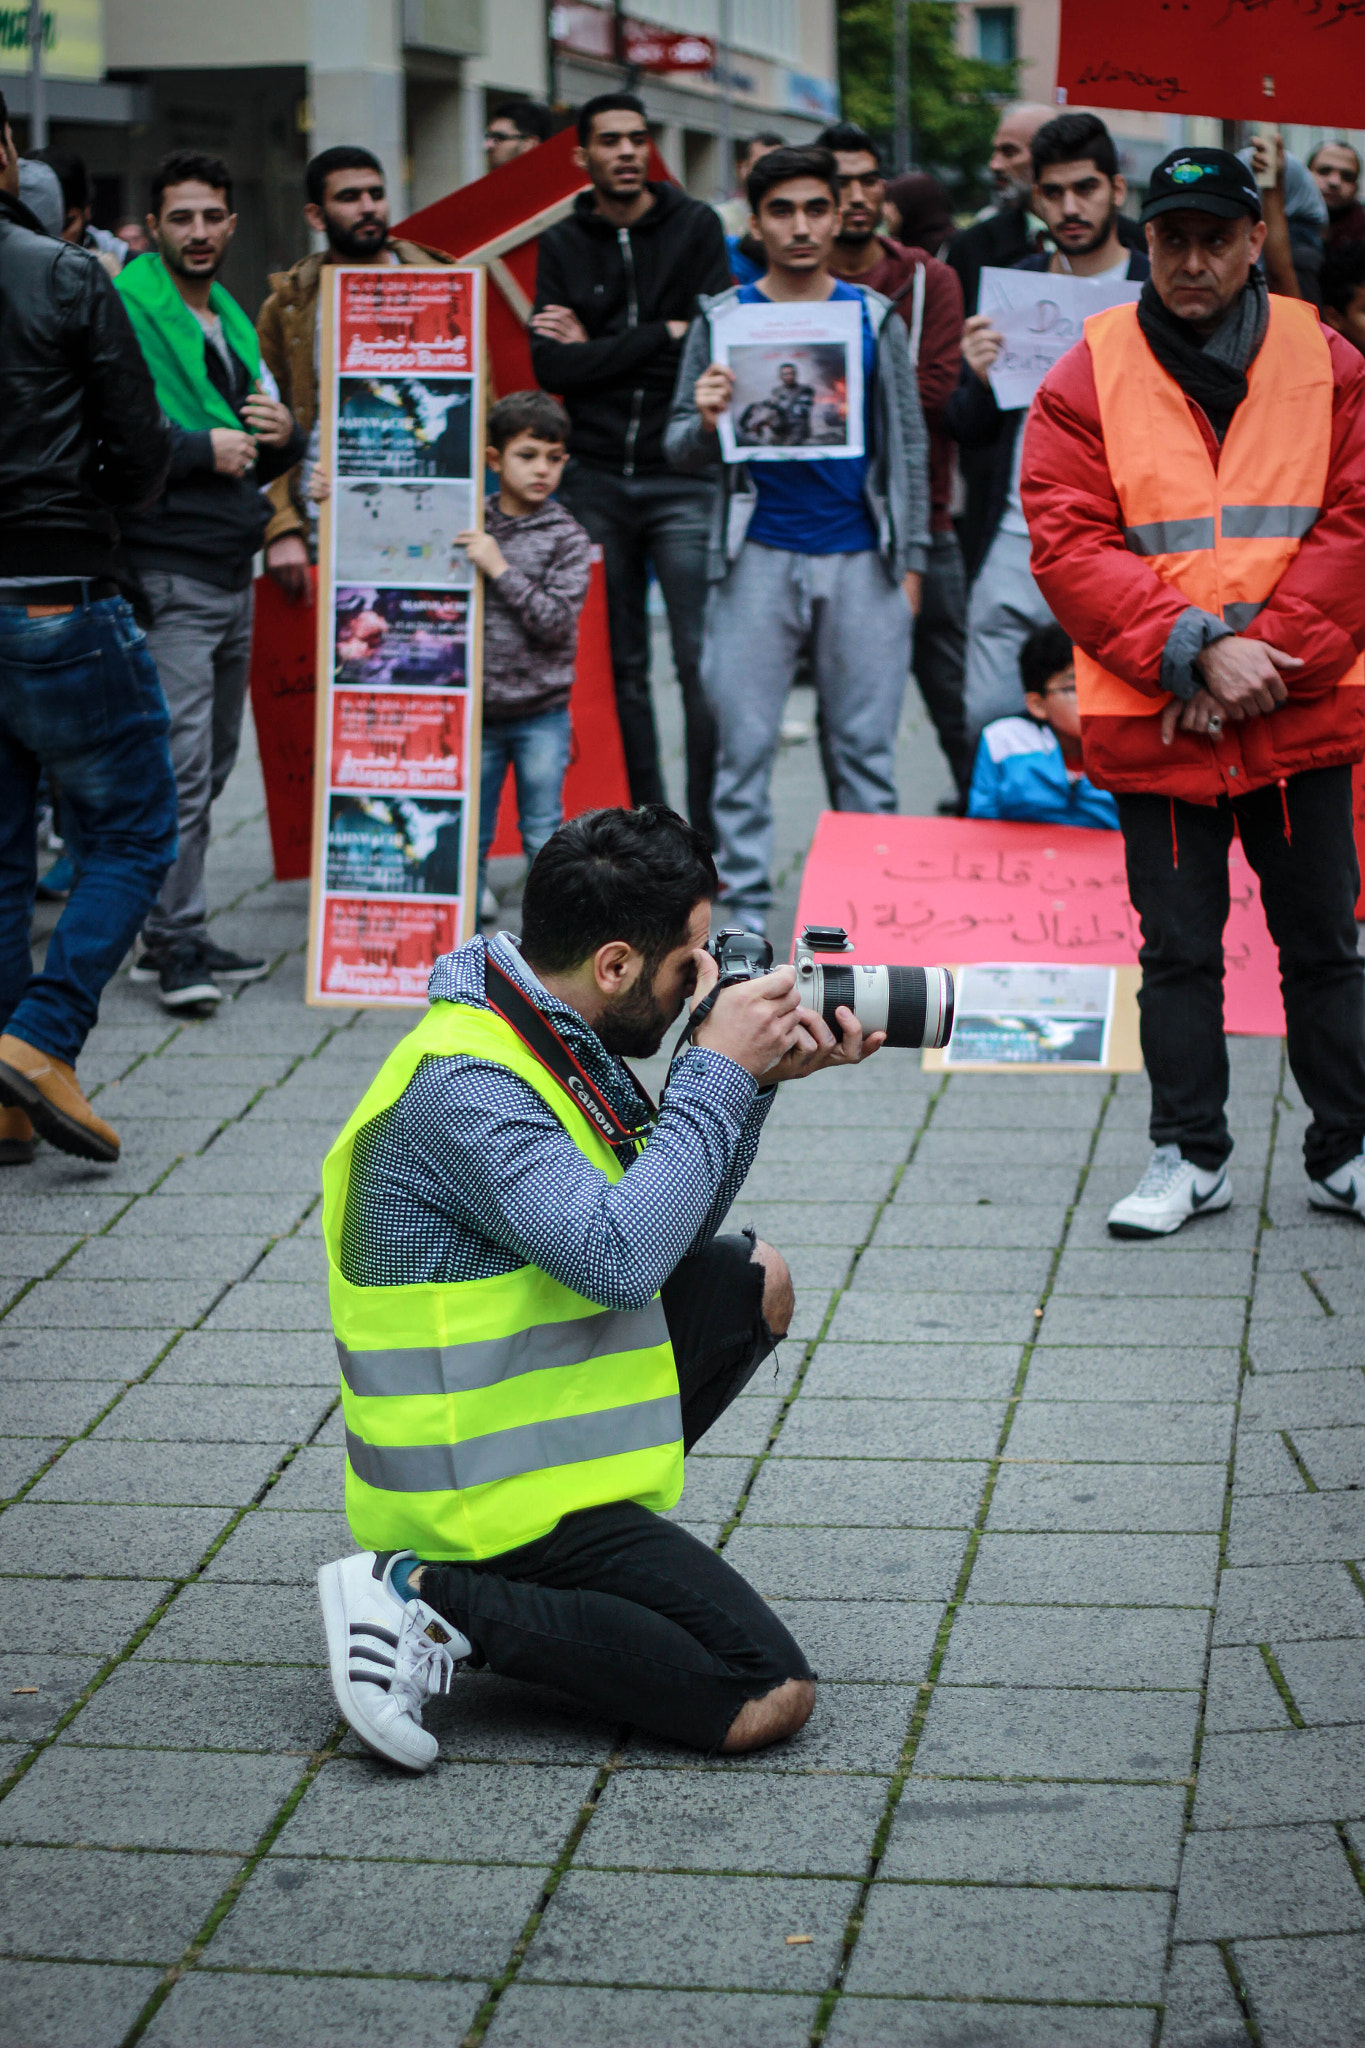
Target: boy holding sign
[534, 561]
[821, 539]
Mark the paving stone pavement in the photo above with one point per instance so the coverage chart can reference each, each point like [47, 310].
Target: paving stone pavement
[1074, 1533]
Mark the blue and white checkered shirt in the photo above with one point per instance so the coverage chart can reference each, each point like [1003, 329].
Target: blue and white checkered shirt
[469, 1173]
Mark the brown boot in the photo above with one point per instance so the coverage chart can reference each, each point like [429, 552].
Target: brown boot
[16, 1138]
[48, 1091]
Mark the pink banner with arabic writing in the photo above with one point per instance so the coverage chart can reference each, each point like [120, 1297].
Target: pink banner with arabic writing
[947, 891]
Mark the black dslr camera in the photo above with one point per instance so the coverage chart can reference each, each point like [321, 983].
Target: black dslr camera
[912, 1005]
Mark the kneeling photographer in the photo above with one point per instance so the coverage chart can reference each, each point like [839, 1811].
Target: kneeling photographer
[535, 1317]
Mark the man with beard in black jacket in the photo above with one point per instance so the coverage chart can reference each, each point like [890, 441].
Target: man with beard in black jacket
[617, 286]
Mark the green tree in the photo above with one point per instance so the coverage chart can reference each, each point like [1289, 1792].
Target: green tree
[954, 100]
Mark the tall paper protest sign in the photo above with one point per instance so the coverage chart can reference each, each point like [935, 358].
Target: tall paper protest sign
[395, 826]
[1241, 60]
[1040, 317]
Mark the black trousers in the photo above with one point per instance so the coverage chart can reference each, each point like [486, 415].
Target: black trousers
[619, 1607]
[663, 520]
[940, 657]
[1178, 880]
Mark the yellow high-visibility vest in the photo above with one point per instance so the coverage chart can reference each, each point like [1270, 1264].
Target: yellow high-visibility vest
[478, 1412]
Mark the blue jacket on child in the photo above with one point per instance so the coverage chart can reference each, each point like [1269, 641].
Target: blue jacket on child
[1021, 773]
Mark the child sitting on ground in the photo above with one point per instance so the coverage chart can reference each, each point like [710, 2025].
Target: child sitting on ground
[534, 562]
[1030, 768]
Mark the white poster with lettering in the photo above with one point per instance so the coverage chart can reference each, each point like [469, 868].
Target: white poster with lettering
[1041, 316]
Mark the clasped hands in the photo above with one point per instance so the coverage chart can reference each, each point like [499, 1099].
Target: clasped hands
[1242, 680]
[761, 1026]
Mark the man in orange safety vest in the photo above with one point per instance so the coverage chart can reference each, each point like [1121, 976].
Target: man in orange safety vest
[1194, 482]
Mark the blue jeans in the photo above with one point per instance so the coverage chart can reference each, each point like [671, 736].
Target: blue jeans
[79, 697]
[538, 749]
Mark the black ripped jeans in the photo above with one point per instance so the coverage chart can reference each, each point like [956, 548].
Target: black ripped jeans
[1309, 882]
[628, 1612]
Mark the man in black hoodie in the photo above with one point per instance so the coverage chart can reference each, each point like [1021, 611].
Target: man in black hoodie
[193, 549]
[616, 290]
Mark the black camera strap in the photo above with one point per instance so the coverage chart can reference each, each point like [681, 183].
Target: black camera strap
[540, 1038]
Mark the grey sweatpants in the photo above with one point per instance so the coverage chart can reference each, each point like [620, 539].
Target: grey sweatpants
[1006, 605]
[857, 623]
[200, 640]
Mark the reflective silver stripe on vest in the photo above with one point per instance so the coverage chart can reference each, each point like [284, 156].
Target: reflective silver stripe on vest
[1268, 522]
[1239, 616]
[508, 1453]
[1169, 537]
[462, 1368]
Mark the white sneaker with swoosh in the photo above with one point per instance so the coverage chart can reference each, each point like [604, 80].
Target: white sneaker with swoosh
[1342, 1191]
[1171, 1191]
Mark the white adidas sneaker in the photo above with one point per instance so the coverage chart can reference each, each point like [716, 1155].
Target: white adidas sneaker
[1169, 1193]
[386, 1655]
[1342, 1191]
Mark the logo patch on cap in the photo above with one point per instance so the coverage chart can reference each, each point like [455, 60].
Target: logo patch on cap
[1188, 173]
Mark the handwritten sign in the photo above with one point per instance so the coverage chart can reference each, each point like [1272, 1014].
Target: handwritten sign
[1040, 317]
[939, 891]
[1241, 60]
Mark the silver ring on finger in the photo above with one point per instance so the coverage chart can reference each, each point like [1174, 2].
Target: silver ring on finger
[1215, 725]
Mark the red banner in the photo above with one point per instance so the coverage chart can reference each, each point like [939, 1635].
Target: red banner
[384, 739]
[1239, 60]
[284, 709]
[944, 892]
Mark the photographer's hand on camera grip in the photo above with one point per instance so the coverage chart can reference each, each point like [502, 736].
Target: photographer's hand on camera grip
[754, 1023]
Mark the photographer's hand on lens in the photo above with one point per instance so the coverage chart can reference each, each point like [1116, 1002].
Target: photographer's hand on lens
[827, 1050]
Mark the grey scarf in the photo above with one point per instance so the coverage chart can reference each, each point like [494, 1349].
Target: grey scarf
[1214, 372]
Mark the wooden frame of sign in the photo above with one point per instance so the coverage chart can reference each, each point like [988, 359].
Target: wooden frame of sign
[400, 631]
[1123, 1052]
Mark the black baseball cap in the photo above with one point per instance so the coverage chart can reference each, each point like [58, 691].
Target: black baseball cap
[1202, 181]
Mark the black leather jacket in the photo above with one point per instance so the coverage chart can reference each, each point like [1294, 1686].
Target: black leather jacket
[81, 432]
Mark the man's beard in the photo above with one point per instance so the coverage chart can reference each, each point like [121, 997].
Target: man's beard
[855, 238]
[1010, 192]
[1098, 238]
[361, 240]
[633, 1026]
[1341, 209]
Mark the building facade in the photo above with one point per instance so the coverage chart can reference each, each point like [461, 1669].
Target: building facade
[266, 83]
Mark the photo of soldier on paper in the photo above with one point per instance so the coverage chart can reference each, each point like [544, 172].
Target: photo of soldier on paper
[403, 426]
[790, 398]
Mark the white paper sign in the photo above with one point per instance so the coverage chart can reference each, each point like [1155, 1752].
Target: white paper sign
[1041, 317]
[798, 372]
[1032, 1016]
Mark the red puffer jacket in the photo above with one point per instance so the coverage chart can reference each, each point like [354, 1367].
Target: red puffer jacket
[1120, 611]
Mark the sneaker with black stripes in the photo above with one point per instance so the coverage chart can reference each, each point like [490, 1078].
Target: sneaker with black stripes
[386, 1655]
